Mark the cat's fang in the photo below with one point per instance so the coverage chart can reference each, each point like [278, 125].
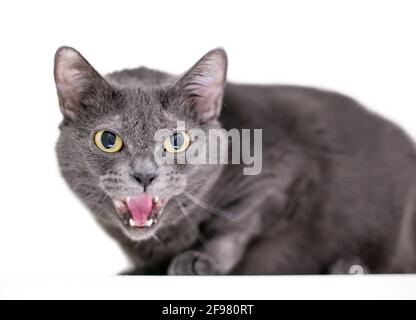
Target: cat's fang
[131, 223]
[148, 223]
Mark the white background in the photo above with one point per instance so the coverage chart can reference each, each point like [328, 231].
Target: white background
[366, 49]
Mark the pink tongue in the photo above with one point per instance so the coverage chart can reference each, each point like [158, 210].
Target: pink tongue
[140, 208]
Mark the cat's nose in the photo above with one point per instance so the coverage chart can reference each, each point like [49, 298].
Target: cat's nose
[144, 179]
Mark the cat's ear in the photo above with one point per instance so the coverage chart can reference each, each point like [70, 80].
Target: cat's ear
[204, 84]
[76, 81]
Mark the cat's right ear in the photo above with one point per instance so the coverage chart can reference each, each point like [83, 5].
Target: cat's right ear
[76, 81]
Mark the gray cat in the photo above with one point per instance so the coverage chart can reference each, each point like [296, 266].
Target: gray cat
[338, 183]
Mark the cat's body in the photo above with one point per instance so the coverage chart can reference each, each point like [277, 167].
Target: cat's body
[337, 183]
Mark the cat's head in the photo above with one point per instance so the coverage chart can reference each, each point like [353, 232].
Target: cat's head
[107, 144]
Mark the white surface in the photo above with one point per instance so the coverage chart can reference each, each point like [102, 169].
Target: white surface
[209, 288]
[365, 49]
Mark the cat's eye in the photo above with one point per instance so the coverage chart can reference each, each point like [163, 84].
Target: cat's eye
[108, 141]
[177, 142]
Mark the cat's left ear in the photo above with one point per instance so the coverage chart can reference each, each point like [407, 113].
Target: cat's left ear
[76, 82]
[204, 84]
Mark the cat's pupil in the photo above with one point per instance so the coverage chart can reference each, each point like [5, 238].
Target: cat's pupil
[176, 140]
[108, 139]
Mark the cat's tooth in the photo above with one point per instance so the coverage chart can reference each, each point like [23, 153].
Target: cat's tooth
[156, 199]
[149, 223]
[131, 223]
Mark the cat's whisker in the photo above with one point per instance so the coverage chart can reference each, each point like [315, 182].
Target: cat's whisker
[158, 239]
[106, 197]
[211, 209]
[193, 226]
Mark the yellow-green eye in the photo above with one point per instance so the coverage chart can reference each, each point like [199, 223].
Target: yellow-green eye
[108, 141]
[177, 142]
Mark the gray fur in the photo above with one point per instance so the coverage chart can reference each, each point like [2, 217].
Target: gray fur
[338, 182]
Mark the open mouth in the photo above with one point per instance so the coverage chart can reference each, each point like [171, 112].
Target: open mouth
[141, 211]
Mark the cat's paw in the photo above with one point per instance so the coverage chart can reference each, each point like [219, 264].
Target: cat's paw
[349, 266]
[192, 263]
